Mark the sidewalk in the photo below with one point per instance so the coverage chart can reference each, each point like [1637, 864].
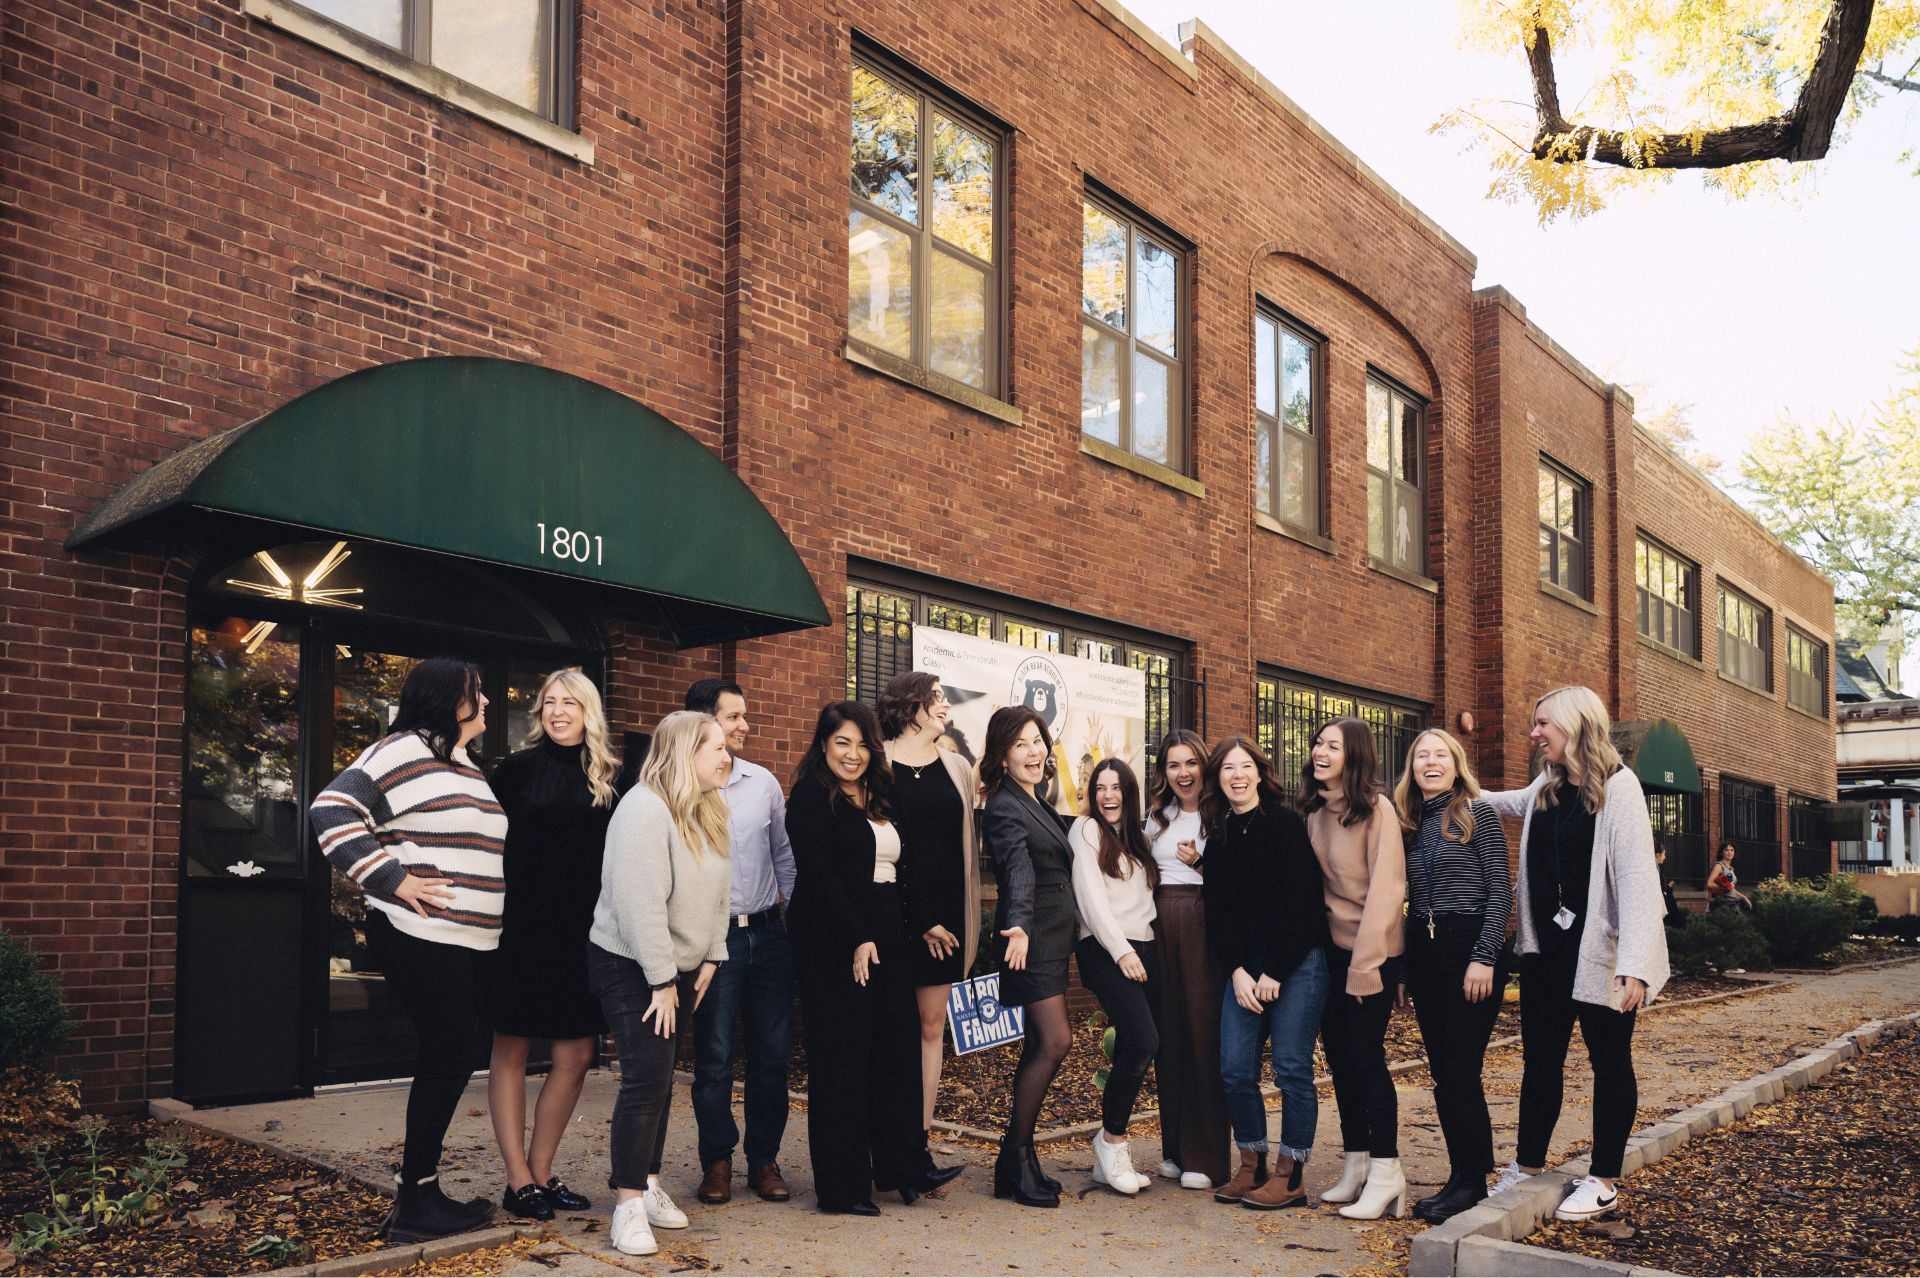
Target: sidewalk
[1682, 1056]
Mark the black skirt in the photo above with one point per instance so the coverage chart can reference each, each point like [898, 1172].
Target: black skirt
[933, 866]
[1049, 948]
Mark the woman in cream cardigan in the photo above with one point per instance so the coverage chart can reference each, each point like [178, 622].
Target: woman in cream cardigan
[1590, 938]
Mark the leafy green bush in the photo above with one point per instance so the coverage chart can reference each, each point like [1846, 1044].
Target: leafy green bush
[1717, 941]
[1860, 907]
[32, 1022]
[1802, 922]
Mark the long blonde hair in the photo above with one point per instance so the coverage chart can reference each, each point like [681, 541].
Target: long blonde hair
[597, 759]
[699, 817]
[1579, 713]
[1408, 798]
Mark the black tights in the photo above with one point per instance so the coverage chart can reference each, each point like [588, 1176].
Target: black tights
[1041, 1053]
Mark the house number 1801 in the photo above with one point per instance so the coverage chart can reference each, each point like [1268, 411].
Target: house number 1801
[571, 543]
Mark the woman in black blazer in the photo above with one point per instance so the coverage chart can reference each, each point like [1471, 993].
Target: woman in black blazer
[1037, 922]
[851, 955]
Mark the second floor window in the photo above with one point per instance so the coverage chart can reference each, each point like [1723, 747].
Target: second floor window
[1287, 409]
[1133, 384]
[517, 50]
[1669, 592]
[1746, 640]
[923, 250]
[1565, 531]
[1396, 477]
[1806, 672]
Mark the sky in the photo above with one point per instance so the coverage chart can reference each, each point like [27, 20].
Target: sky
[1739, 309]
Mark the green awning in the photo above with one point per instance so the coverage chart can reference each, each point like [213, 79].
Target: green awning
[502, 462]
[1659, 755]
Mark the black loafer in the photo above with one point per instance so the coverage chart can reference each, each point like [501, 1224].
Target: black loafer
[935, 1177]
[528, 1203]
[565, 1199]
[863, 1208]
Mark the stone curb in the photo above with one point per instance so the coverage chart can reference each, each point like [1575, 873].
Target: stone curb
[1485, 1240]
[412, 1254]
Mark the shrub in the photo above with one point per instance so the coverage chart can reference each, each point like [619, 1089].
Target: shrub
[1861, 908]
[32, 1022]
[1903, 927]
[1802, 923]
[1717, 941]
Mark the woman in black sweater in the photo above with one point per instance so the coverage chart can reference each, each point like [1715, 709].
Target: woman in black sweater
[1267, 924]
[851, 952]
[559, 797]
[1459, 895]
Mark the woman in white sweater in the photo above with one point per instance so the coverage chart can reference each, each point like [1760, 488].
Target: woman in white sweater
[1113, 880]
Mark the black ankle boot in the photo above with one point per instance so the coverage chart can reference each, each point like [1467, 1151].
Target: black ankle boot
[422, 1213]
[1013, 1178]
[1468, 1193]
[1425, 1205]
[1038, 1172]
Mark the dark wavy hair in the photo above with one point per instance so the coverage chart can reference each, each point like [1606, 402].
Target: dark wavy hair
[1003, 730]
[877, 780]
[431, 700]
[1129, 840]
[902, 700]
[1160, 795]
[1361, 779]
[1214, 806]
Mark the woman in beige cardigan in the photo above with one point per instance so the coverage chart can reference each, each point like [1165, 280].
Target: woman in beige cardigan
[1363, 863]
[934, 794]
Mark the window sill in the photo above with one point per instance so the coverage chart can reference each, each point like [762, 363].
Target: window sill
[1568, 597]
[1665, 651]
[1763, 693]
[1103, 451]
[932, 383]
[1272, 525]
[1808, 714]
[1414, 579]
[432, 81]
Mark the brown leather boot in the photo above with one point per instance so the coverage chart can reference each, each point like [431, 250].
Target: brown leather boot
[1252, 1175]
[717, 1185]
[1285, 1189]
[766, 1181]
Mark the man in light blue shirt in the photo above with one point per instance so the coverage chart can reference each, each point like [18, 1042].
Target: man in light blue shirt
[757, 978]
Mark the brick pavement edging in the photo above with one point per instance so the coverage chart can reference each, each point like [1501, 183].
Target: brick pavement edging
[368, 1262]
[1484, 1241]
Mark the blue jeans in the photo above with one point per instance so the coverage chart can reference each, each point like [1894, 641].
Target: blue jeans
[757, 982]
[1292, 1021]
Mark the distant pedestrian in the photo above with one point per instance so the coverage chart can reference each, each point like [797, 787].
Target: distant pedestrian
[1590, 940]
[1677, 916]
[659, 934]
[1723, 882]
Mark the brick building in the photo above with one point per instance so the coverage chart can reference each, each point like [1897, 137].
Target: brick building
[577, 333]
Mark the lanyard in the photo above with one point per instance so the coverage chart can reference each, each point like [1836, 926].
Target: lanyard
[1429, 857]
[1560, 811]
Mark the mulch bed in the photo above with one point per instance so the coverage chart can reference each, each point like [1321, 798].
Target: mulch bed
[1826, 1181]
[242, 1193]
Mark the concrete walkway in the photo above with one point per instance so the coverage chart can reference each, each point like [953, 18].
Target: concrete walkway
[1683, 1055]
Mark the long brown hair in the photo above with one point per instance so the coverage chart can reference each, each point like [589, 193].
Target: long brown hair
[876, 782]
[1003, 730]
[1160, 797]
[1360, 782]
[1213, 804]
[1129, 841]
[1409, 799]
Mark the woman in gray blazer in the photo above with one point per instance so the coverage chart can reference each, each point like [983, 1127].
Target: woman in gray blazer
[1036, 922]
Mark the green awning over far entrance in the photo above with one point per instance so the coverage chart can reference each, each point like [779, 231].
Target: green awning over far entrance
[502, 462]
[1659, 755]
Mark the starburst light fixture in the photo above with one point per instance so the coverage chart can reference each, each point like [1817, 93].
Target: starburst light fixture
[306, 590]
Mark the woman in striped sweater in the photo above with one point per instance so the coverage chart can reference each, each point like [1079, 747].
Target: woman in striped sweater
[1459, 896]
[414, 823]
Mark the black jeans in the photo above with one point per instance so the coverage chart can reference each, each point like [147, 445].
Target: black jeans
[757, 982]
[1455, 1033]
[1547, 1014]
[645, 1100]
[1129, 1008]
[1354, 1033]
[439, 985]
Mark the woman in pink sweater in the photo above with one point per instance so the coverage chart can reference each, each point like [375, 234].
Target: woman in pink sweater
[1356, 836]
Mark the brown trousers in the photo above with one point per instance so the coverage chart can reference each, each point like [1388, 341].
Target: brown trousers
[1193, 1106]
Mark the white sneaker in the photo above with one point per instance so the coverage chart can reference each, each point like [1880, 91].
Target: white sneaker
[1508, 1179]
[1113, 1166]
[1590, 1198]
[1195, 1180]
[661, 1212]
[629, 1232]
[1169, 1170]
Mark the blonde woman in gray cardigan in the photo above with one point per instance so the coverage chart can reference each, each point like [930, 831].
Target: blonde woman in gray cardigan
[1591, 942]
[659, 933]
